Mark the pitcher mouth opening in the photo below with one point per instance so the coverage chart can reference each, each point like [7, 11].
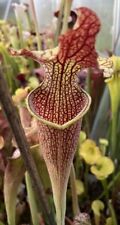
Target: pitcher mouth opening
[55, 125]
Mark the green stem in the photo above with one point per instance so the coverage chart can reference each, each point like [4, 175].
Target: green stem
[104, 184]
[85, 177]
[75, 204]
[36, 26]
[97, 220]
[19, 25]
[101, 122]
[30, 23]
[32, 201]
[114, 134]
[110, 185]
[60, 205]
[112, 211]
[88, 82]
[114, 220]
[67, 8]
[88, 89]
[59, 22]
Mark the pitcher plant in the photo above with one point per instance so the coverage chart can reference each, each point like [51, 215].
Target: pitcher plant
[59, 103]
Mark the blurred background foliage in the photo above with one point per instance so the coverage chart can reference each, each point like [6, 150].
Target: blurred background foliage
[101, 176]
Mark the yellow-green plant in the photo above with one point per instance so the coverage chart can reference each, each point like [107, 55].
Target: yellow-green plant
[111, 67]
[97, 207]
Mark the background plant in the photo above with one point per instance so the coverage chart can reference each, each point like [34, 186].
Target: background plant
[90, 174]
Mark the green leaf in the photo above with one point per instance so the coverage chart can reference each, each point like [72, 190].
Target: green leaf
[10, 67]
[32, 201]
[1, 223]
[14, 174]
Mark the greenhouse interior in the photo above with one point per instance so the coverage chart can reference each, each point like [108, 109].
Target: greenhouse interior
[59, 112]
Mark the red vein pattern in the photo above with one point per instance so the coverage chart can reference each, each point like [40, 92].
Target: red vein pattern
[58, 148]
[79, 44]
[65, 141]
[59, 99]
